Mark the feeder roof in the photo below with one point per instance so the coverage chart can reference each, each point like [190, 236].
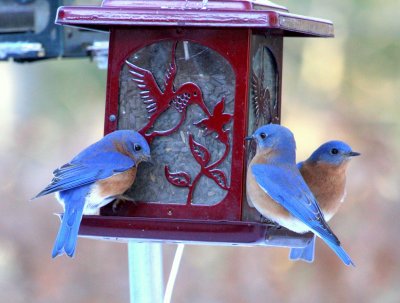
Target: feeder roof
[256, 14]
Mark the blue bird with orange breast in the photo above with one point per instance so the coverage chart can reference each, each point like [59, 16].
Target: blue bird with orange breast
[325, 174]
[96, 176]
[278, 191]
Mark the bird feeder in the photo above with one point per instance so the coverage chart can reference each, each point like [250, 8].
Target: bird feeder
[195, 78]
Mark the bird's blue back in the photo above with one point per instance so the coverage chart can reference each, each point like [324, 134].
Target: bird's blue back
[98, 161]
[286, 186]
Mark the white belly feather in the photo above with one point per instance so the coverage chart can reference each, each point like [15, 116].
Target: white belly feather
[93, 201]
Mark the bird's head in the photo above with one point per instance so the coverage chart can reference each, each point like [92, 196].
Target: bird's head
[274, 137]
[132, 144]
[333, 152]
[139, 147]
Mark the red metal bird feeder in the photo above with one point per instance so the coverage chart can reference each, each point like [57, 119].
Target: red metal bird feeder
[194, 78]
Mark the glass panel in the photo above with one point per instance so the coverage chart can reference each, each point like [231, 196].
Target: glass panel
[264, 89]
[181, 96]
[263, 102]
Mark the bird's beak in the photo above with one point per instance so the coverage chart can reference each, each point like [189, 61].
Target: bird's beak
[249, 138]
[149, 160]
[353, 154]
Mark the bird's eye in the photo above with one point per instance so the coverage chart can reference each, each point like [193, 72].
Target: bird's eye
[263, 136]
[195, 94]
[137, 147]
[334, 151]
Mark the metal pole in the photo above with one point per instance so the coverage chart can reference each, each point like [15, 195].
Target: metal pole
[145, 272]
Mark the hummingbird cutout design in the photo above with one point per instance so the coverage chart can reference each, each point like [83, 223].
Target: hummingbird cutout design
[157, 101]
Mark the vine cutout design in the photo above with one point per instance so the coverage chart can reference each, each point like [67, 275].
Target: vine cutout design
[188, 93]
[264, 109]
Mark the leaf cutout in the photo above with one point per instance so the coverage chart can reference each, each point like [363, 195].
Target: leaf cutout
[199, 152]
[219, 177]
[180, 179]
[223, 137]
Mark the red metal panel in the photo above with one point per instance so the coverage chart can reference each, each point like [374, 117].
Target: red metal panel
[194, 232]
[233, 45]
[195, 4]
[179, 4]
[104, 18]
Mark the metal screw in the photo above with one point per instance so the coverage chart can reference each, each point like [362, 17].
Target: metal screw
[112, 118]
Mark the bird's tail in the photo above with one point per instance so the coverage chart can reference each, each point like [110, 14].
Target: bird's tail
[68, 232]
[341, 253]
[305, 254]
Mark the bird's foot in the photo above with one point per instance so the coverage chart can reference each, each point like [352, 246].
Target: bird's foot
[275, 226]
[120, 201]
[125, 198]
[269, 222]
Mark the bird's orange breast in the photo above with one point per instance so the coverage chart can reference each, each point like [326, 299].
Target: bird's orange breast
[259, 198]
[117, 184]
[327, 183]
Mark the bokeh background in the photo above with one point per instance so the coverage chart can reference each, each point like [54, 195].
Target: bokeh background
[344, 88]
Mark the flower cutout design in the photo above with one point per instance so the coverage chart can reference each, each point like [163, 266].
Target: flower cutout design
[216, 122]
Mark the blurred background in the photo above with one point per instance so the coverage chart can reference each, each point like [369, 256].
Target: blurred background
[344, 88]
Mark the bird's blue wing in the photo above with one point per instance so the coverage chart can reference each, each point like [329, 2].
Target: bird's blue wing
[287, 187]
[300, 165]
[87, 171]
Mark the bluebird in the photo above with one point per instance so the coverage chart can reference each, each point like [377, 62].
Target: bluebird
[96, 176]
[278, 191]
[325, 173]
